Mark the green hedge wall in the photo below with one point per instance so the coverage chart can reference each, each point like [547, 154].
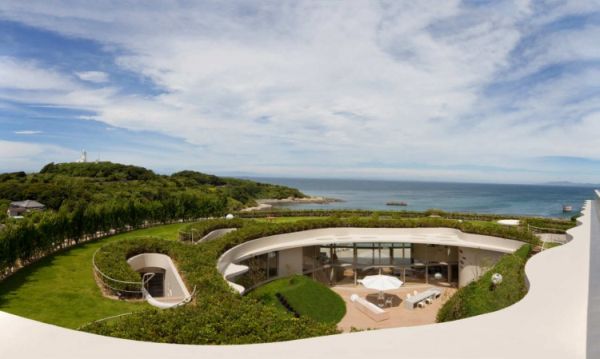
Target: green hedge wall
[478, 297]
[112, 259]
[216, 316]
[200, 229]
[552, 225]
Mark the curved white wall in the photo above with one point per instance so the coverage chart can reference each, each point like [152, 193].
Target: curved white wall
[174, 286]
[480, 247]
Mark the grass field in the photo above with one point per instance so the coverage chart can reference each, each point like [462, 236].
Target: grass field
[306, 296]
[60, 289]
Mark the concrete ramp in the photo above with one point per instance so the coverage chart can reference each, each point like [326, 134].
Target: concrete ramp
[163, 286]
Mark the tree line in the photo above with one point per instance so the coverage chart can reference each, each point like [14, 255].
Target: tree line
[42, 233]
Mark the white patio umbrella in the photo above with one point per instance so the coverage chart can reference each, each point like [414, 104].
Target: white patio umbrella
[381, 283]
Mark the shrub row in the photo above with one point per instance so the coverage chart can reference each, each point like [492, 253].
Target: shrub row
[111, 260]
[202, 228]
[483, 228]
[31, 238]
[543, 222]
[479, 297]
[216, 316]
[219, 316]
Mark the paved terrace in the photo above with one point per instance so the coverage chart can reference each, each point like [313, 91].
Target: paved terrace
[554, 320]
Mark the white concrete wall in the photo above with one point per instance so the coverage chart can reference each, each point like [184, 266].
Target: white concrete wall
[174, 286]
[473, 263]
[290, 262]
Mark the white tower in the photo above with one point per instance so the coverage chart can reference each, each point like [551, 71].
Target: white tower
[83, 158]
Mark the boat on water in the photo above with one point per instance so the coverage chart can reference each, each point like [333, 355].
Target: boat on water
[567, 208]
[396, 203]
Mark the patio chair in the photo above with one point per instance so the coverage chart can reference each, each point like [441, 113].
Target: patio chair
[421, 304]
[428, 300]
[415, 292]
[407, 295]
[388, 302]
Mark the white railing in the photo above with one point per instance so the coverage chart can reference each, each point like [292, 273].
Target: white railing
[115, 284]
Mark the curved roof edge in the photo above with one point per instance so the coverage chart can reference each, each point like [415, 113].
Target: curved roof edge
[226, 264]
[552, 321]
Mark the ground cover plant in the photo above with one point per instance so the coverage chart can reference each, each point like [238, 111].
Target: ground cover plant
[481, 297]
[306, 296]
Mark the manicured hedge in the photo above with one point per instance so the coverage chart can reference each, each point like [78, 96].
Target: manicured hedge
[112, 260]
[202, 228]
[548, 225]
[308, 297]
[483, 228]
[542, 222]
[479, 298]
[218, 315]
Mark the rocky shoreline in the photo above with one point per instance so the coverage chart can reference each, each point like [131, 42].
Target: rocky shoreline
[266, 204]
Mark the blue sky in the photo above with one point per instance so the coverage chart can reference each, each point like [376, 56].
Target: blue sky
[486, 91]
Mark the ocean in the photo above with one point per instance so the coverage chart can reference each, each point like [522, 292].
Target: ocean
[535, 200]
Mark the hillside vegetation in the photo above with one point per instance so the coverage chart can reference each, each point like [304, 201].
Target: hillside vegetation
[66, 185]
[88, 200]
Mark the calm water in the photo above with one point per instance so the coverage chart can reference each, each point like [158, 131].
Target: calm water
[461, 197]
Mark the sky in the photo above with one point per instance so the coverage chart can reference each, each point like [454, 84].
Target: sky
[477, 90]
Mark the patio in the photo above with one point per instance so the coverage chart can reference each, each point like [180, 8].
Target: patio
[399, 315]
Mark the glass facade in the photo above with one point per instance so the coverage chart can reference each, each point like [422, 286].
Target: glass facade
[261, 268]
[346, 262]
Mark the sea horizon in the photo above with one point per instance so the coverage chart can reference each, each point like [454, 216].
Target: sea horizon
[545, 200]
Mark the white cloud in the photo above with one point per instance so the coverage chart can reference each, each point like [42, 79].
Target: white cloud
[31, 156]
[27, 132]
[93, 76]
[18, 75]
[339, 85]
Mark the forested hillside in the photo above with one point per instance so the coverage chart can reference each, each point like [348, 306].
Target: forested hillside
[89, 200]
[69, 185]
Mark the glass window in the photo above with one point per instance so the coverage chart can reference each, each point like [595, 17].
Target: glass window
[272, 264]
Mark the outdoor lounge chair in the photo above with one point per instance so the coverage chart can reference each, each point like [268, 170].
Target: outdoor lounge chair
[369, 309]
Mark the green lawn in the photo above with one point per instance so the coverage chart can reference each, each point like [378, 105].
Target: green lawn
[61, 290]
[306, 296]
